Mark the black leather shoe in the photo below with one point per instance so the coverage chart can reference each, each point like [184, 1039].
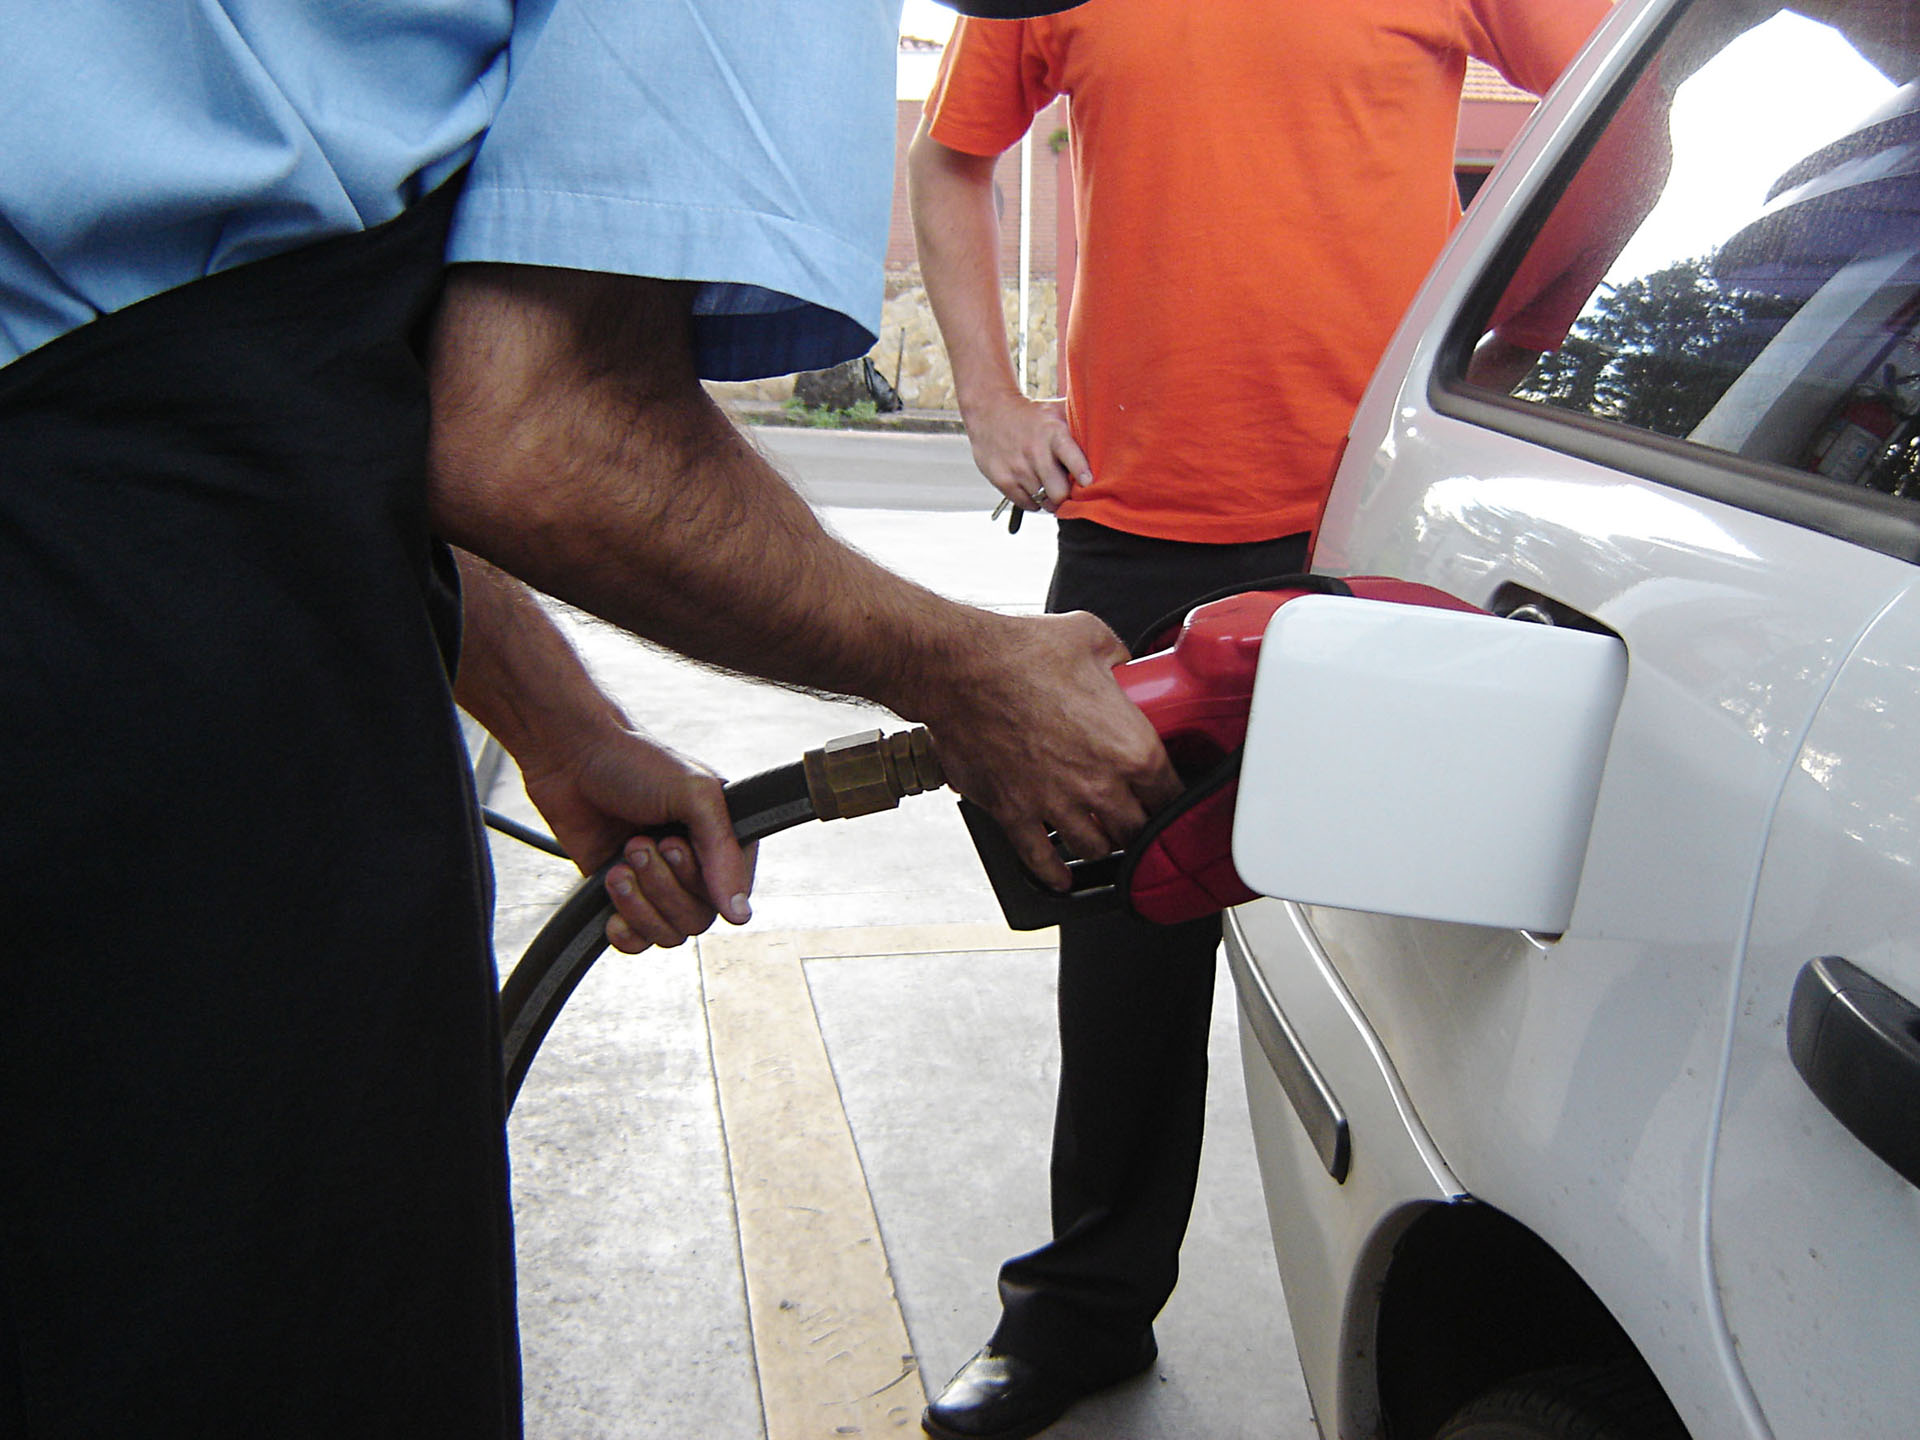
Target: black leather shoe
[1002, 1397]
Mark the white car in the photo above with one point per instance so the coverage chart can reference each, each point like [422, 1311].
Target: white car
[1622, 1130]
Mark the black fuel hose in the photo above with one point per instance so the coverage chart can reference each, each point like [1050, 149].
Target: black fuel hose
[576, 934]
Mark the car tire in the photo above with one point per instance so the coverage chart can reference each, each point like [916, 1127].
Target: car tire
[1571, 1403]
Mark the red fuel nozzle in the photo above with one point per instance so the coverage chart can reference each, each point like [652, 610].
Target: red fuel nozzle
[1197, 690]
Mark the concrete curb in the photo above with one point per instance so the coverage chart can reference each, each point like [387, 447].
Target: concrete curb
[912, 422]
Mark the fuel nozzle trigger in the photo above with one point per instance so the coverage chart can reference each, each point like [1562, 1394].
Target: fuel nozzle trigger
[1024, 900]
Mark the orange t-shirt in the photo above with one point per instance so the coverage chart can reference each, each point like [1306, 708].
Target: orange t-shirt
[1260, 188]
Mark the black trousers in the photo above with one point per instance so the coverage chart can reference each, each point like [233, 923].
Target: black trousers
[1136, 1002]
[252, 1153]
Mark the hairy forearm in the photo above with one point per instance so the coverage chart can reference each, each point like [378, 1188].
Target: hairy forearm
[520, 677]
[574, 447]
[958, 237]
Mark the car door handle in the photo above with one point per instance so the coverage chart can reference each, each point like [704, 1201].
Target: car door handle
[1856, 1043]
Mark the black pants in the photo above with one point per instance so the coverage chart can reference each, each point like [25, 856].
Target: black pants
[252, 1159]
[1136, 1002]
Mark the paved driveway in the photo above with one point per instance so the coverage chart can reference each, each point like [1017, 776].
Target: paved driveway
[763, 1182]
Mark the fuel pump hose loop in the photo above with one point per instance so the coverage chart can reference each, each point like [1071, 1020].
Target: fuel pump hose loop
[853, 775]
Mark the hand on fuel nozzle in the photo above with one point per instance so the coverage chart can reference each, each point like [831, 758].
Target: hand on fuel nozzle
[1043, 739]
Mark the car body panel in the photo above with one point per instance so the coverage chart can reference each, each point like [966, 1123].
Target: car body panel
[1576, 1084]
[1807, 1224]
[1327, 1250]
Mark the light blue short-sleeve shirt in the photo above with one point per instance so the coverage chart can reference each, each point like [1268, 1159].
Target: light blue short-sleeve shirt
[744, 144]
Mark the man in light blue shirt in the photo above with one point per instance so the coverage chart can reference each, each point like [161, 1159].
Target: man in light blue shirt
[743, 146]
[252, 1163]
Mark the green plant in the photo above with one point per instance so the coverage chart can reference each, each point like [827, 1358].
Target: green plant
[827, 418]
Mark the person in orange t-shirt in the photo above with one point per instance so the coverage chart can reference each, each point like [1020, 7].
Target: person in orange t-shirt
[1259, 190]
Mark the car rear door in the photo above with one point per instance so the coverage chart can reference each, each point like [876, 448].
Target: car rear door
[1815, 1237]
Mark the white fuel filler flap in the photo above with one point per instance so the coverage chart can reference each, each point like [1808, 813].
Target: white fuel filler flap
[1441, 764]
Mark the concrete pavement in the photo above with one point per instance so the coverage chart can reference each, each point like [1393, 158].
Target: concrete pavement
[763, 1182]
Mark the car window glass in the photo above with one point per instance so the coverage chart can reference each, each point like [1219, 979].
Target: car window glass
[1736, 261]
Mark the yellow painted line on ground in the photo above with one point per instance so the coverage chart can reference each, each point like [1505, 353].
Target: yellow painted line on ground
[829, 1341]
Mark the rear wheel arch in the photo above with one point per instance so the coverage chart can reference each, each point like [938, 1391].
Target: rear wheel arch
[1467, 1300]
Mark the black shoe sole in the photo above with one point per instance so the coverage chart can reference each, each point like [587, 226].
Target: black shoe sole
[1019, 1432]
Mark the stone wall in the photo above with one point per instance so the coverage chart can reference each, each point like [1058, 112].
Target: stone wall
[910, 344]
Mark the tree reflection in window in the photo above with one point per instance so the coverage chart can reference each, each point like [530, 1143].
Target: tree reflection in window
[1657, 352]
[1792, 335]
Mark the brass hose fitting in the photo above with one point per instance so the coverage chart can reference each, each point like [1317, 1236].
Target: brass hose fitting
[860, 774]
